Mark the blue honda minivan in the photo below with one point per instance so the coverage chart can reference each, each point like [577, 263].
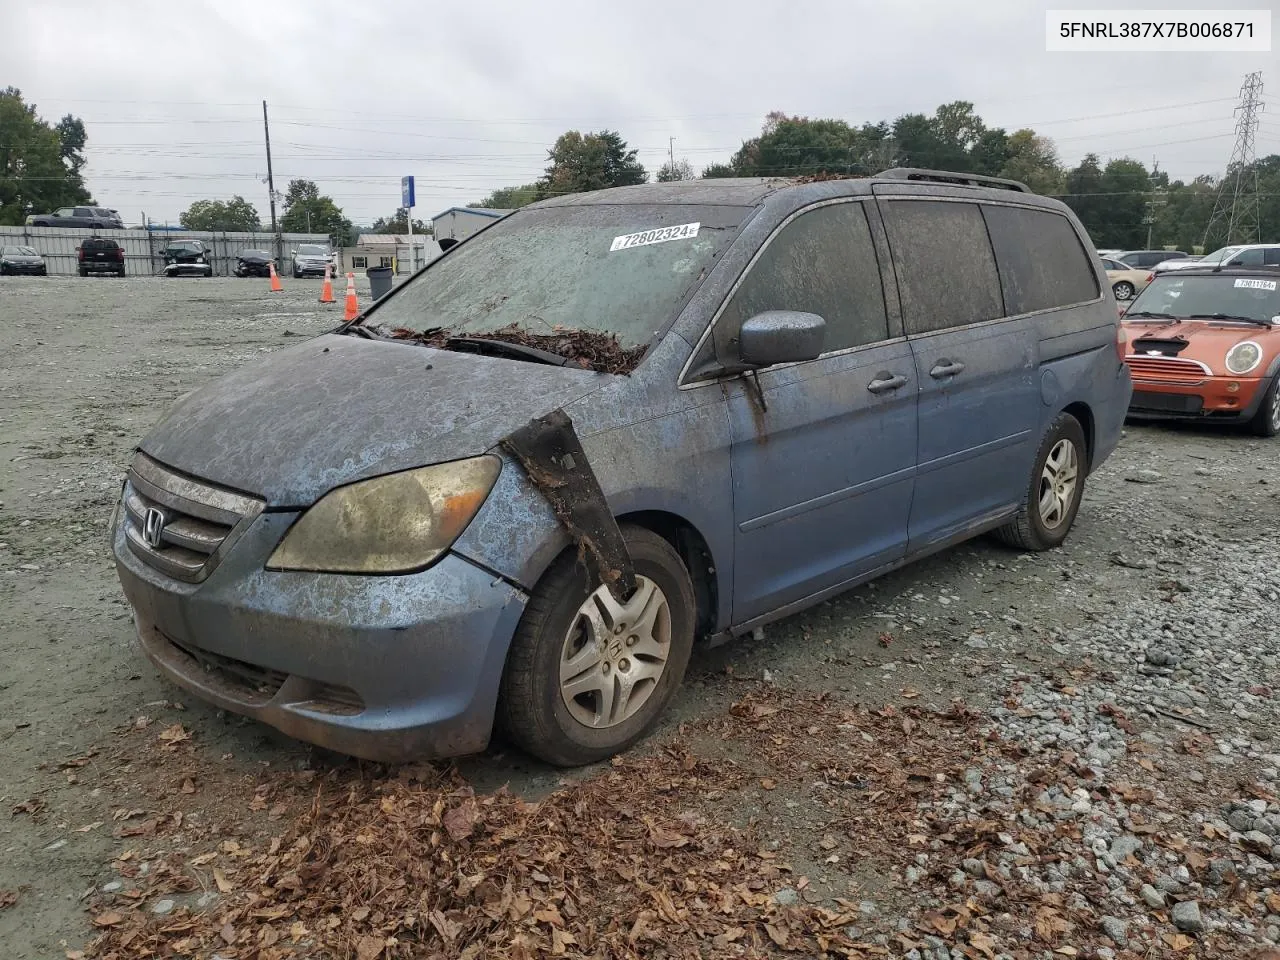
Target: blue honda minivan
[520, 487]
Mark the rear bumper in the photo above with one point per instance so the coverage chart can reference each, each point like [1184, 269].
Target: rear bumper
[1212, 399]
[384, 668]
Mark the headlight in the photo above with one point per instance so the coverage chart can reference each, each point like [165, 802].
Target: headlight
[1243, 357]
[398, 523]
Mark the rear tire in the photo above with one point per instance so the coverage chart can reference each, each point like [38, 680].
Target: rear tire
[1053, 494]
[537, 707]
[84, 272]
[1266, 422]
[1123, 290]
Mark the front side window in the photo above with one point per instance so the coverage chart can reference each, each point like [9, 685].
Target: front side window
[613, 269]
[946, 269]
[64, 212]
[1041, 260]
[822, 262]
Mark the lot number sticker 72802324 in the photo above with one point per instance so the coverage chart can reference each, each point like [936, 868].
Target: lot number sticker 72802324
[657, 235]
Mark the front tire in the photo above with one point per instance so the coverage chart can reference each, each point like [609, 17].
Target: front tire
[586, 677]
[1053, 495]
[1266, 422]
[1123, 290]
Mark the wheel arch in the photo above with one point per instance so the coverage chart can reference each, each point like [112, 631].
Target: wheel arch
[1084, 413]
[688, 541]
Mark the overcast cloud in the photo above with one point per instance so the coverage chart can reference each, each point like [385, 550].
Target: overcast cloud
[467, 96]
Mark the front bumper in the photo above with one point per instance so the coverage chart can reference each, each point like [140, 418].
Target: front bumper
[385, 668]
[1211, 399]
[25, 269]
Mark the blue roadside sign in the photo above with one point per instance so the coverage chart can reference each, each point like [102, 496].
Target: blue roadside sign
[406, 192]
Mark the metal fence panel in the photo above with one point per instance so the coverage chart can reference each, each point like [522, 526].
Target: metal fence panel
[142, 247]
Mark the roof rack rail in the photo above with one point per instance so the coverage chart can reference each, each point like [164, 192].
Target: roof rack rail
[944, 176]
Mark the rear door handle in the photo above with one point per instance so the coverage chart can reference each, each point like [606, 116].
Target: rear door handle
[946, 368]
[885, 382]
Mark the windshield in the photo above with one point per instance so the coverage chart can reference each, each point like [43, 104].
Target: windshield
[312, 250]
[1254, 297]
[19, 252]
[255, 253]
[185, 245]
[1220, 255]
[617, 270]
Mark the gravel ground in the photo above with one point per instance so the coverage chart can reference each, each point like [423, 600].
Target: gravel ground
[1109, 789]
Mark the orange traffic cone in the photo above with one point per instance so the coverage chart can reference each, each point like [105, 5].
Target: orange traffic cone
[326, 290]
[352, 307]
[275, 279]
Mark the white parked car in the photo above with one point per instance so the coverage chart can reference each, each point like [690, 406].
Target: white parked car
[1239, 255]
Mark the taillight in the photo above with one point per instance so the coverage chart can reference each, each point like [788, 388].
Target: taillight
[1151, 276]
[80, 253]
[1122, 342]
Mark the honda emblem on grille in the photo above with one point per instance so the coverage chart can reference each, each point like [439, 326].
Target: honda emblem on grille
[153, 526]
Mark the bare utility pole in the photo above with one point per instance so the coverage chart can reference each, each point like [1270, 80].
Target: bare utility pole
[1155, 201]
[1238, 202]
[271, 187]
[671, 155]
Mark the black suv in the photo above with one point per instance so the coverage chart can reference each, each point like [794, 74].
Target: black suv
[97, 255]
[94, 217]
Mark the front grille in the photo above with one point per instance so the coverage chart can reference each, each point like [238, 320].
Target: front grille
[1167, 369]
[1165, 402]
[180, 526]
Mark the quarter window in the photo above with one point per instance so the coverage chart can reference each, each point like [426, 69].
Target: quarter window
[946, 270]
[1042, 262]
[822, 262]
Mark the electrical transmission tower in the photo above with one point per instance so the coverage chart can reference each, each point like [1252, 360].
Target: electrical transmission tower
[1237, 204]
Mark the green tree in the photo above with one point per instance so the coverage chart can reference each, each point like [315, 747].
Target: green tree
[509, 198]
[307, 211]
[593, 161]
[398, 223]
[718, 171]
[681, 170]
[237, 215]
[1126, 189]
[798, 146]
[39, 170]
[1033, 160]
[1084, 196]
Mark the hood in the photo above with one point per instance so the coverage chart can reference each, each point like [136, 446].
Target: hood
[21, 258]
[1206, 341]
[337, 408]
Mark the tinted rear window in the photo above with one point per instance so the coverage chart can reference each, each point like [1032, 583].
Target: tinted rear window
[946, 270]
[1042, 262]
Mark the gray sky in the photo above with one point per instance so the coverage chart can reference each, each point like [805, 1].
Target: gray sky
[467, 96]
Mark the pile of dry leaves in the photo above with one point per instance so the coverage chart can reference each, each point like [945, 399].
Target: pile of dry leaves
[643, 859]
[589, 349]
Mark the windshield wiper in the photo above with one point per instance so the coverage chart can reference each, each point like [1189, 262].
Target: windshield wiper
[503, 348]
[1153, 316]
[1230, 316]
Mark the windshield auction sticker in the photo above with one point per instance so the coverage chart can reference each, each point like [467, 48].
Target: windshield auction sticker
[1257, 284]
[659, 235]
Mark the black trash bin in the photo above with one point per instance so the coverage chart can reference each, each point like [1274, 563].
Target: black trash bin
[380, 281]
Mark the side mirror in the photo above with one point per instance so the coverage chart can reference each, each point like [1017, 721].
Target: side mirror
[293, 253]
[781, 336]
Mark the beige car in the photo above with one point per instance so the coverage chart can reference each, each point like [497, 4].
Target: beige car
[1126, 281]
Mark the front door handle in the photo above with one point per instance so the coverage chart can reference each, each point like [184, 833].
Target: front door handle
[946, 368]
[885, 381]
